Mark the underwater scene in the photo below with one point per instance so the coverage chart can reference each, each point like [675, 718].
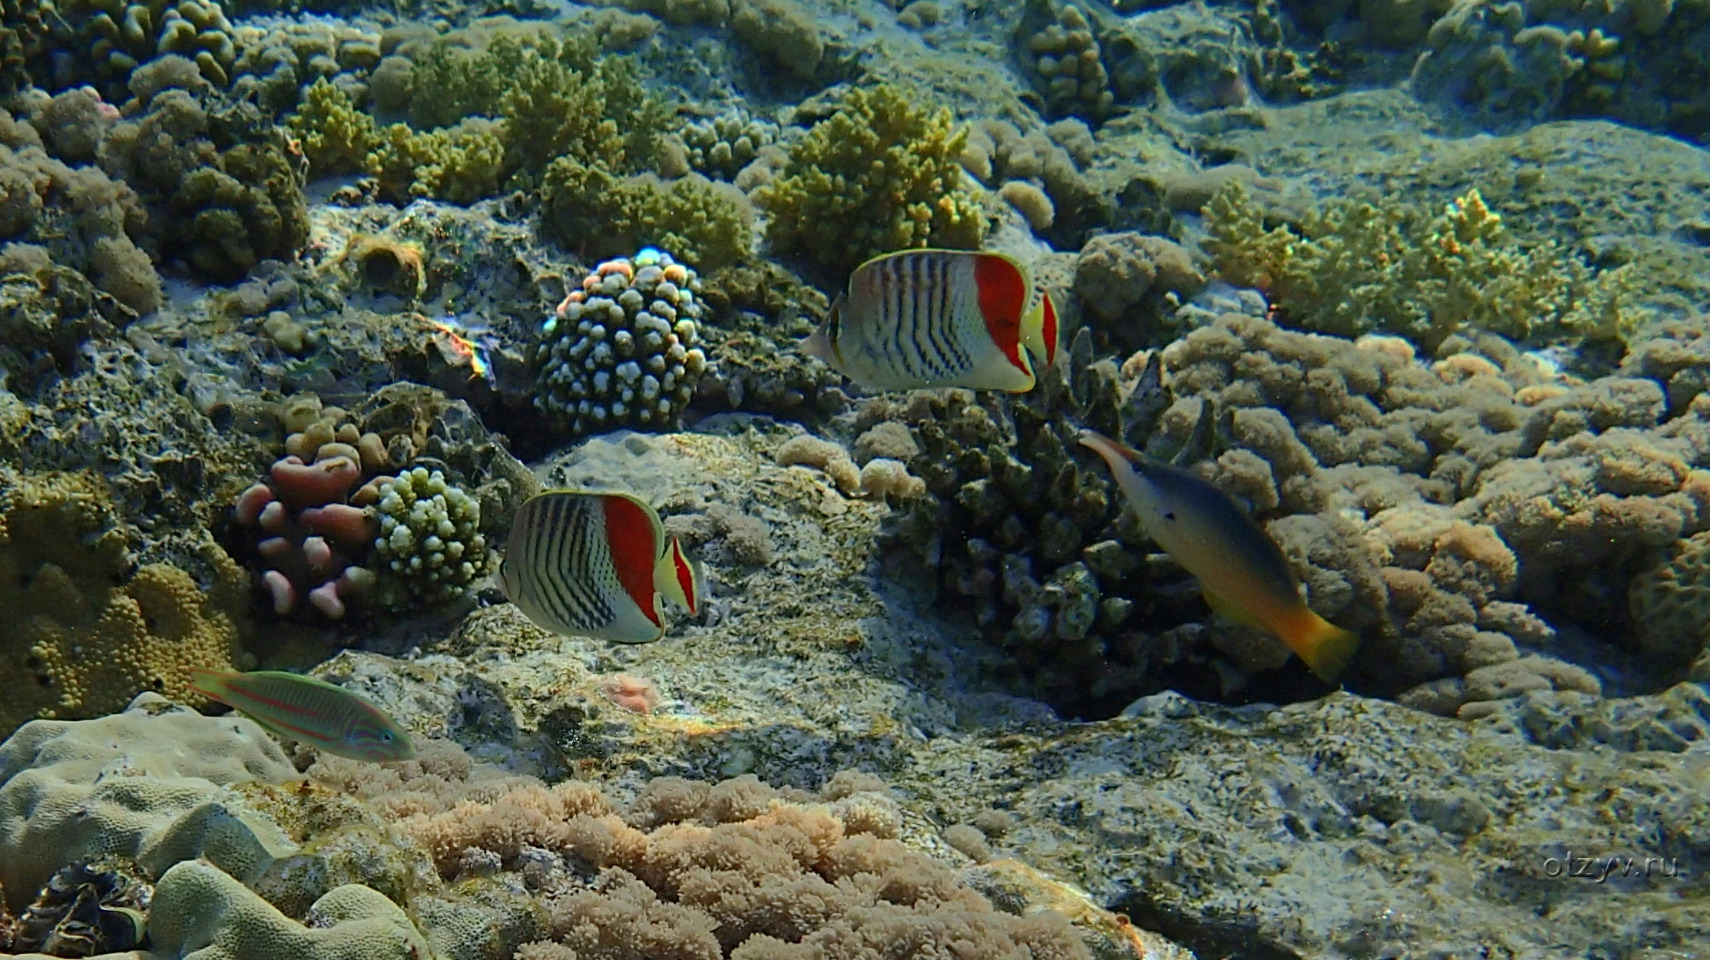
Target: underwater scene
[855, 479]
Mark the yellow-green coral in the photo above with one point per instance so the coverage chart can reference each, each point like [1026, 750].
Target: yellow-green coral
[335, 135]
[880, 174]
[704, 224]
[84, 637]
[1352, 267]
[461, 163]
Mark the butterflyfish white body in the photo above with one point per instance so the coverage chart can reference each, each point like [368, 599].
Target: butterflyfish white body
[939, 318]
[596, 565]
[1240, 569]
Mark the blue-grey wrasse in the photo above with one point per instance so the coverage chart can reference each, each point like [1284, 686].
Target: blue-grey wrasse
[1241, 570]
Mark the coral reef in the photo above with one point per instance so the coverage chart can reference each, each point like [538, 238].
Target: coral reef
[621, 350]
[1352, 268]
[1127, 282]
[222, 189]
[60, 803]
[108, 39]
[720, 146]
[1510, 63]
[88, 632]
[310, 534]
[878, 175]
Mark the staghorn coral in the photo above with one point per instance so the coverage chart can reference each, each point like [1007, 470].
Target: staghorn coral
[1352, 268]
[878, 175]
[88, 632]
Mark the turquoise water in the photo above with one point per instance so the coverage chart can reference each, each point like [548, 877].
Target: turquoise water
[1401, 310]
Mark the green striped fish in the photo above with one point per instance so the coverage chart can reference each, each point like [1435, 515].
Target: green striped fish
[323, 715]
[939, 318]
[596, 565]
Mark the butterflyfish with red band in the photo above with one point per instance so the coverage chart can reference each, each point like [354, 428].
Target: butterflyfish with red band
[596, 565]
[295, 707]
[916, 319]
[1240, 569]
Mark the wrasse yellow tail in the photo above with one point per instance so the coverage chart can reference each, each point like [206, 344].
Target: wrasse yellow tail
[1324, 647]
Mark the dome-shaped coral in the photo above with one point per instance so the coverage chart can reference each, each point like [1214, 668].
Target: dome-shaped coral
[429, 549]
[620, 352]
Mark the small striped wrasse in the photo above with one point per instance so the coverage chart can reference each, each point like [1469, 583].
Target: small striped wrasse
[596, 565]
[294, 707]
[1240, 569]
[939, 318]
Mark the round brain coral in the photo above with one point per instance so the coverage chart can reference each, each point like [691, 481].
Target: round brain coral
[620, 351]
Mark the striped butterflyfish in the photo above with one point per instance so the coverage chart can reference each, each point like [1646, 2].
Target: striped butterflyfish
[596, 565]
[294, 707]
[939, 318]
[1240, 569]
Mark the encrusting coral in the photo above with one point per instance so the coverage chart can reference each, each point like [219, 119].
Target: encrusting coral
[880, 174]
[87, 632]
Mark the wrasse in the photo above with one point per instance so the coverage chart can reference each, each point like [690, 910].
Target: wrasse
[1241, 570]
[939, 318]
[596, 565]
[323, 715]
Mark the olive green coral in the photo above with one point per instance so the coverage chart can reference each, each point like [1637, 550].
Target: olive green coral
[1353, 267]
[880, 174]
[86, 634]
[110, 38]
[430, 548]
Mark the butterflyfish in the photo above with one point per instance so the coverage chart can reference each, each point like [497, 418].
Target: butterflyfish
[1240, 569]
[939, 318]
[295, 707]
[596, 565]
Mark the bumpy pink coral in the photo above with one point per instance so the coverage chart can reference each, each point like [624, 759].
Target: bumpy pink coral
[308, 535]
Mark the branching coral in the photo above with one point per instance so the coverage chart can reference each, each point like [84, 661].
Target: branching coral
[880, 174]
[1352, 268]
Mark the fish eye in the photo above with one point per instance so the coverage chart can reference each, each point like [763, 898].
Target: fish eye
[386, 736]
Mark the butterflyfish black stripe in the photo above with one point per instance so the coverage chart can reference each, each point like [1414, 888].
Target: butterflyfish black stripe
[904, 281]
[954, 348]
[928, 293]
[562, 541]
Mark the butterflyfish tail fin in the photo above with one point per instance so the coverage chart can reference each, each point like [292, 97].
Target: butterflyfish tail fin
[1039, 330]
[678, 578]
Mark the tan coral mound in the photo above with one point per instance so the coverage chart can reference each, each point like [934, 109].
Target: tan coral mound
[692, 871]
